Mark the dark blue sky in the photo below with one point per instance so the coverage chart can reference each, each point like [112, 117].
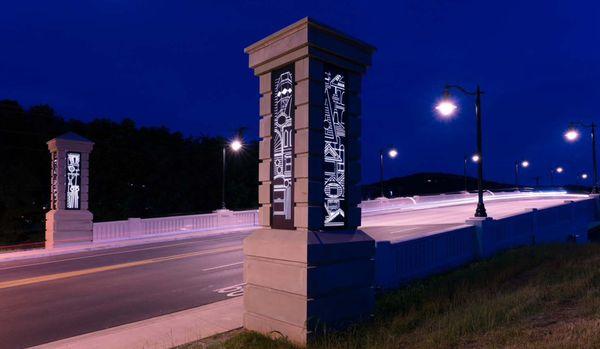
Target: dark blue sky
[181, 64]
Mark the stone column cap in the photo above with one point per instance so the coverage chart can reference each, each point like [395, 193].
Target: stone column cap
[70, 141]
[308, 36]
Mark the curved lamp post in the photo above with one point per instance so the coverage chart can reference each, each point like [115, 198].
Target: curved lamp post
[523, 164]
[392, 153]
[235, 146]
[446, 108]
[558, 170]
[573, 135]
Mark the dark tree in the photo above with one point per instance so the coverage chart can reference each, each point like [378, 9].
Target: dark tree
[135, 172]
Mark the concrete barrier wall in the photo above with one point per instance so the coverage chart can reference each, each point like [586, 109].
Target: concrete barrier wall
[398, 263]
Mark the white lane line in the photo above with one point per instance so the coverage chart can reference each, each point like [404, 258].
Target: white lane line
[223, 266]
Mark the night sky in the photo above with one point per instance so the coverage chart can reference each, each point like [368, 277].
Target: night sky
[181, 64]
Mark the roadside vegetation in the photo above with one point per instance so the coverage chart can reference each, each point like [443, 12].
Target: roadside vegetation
[533, 297]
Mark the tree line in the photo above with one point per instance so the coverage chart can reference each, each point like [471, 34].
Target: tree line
[134, 171]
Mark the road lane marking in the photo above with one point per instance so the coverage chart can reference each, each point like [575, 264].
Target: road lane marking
[223, 266]
[70, 274]
[110, 253]
[232, 291]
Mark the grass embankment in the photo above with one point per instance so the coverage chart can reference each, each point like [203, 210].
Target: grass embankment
[545, 296]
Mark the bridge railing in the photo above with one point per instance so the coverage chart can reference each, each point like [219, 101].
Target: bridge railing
[398, 262]
[139, 228]
[224, 219]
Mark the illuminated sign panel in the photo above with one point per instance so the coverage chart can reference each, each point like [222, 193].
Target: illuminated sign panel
[54, 181]
[73, 181]
[282, 131]
[334, 155]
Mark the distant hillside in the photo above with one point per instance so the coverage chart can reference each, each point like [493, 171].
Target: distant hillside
[426, 183]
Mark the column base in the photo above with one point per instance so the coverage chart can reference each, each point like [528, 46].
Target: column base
[300, 282]
[68, 226]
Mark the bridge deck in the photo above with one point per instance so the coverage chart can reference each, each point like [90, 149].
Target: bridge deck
[51, 298]
[407, 224]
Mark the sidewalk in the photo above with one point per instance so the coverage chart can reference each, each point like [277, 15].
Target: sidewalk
[165, 331]
[95, 246]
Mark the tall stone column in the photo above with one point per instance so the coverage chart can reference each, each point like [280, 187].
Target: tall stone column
[309, 267]
[69, 219]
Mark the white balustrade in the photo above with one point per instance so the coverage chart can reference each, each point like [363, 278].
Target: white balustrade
[148, 227]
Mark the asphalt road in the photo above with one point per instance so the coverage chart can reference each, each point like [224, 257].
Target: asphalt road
[52, 298]
[64, 296]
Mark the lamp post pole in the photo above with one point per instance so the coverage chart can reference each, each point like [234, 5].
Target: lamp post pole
[223, 181]
[465, 173]
[595, 160]
[447, 108]
[235, 146]
[480, 211]
[517, 175]
[392, 153]
[572, 135]
[381, 171]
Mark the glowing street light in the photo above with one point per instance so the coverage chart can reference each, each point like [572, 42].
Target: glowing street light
[573, 135]
[446, 108]
[558, 170]
[234, 145]
[475, 159]
[523, 164]
[392, 153]
[584, 176]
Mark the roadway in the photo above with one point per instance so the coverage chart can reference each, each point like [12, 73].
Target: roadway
[52, 298]
[63, 296]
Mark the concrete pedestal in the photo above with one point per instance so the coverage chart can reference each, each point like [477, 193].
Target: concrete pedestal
[299, 282]
[65, 226]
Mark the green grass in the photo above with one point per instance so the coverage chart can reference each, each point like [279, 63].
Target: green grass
[531, 297]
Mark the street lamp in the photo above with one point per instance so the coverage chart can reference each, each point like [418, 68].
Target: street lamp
[523, 164]
[392, 153]
[584, 176]
[558, 170]
[234, 145]
[573, 135]
[446, 107]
